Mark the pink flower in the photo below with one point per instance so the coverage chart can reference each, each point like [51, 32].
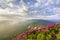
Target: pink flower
[35, 28]
[30, 31]
[38, 30]
[50, 25]
[17, 37]
[57, 23]
[45, 30]
[20, 36]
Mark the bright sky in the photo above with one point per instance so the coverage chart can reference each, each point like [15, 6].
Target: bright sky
[45, 9]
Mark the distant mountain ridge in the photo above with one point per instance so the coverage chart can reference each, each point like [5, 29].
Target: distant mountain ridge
[44, 22]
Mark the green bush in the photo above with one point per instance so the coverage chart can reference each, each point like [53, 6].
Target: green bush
[50, 32]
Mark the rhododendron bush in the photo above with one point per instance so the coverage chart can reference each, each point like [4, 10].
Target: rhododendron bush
[50, 32]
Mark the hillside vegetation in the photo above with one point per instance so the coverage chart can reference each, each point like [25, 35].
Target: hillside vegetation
[49, 32]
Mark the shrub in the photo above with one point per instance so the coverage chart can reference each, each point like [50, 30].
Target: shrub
[50, 32]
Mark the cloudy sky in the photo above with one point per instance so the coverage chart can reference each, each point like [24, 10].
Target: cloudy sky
[42, 9]
[14, 12]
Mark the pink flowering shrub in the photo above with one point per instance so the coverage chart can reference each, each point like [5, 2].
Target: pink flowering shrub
[50, 32]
